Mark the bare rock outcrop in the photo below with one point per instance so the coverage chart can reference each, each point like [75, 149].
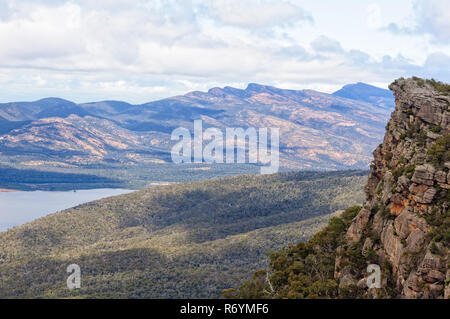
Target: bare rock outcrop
[405, 221]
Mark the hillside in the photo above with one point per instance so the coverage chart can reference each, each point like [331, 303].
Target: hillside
[403, 227]
[183, 240]
[317, 130]
[368, 93]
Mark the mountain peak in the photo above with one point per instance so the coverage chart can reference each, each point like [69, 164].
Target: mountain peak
[53, 101]
[251, 89]
[363, 91]
[259, 88]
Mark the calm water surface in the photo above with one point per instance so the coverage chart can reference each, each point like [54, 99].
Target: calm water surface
[17, 208]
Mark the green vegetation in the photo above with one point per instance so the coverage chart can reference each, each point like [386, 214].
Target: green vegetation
[402, 169]
[436, 128]
[29, 180]
[305, 270]
[140, 176]
[309, 270]
[409, 171]
[419, 81]
[421, 138]
[441, 87]
[183, 240]
[440, 150]
[440, 220]
[412, 131]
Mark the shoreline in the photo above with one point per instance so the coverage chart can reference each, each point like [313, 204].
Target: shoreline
[4, 190]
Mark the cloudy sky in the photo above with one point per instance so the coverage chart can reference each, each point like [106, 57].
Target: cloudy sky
[141, 50]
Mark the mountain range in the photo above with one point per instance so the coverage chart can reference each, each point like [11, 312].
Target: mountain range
[317, 130]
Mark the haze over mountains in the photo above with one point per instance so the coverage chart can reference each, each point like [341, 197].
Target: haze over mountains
[317, 130]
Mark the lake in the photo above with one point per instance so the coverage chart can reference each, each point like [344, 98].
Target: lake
[17, 208]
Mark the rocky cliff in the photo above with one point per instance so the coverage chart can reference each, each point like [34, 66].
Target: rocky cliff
[404, 225]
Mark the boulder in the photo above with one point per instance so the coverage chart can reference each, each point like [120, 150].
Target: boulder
[424, 174]
[427, 197]
[356, 228]
[441, 176]
[408, 222]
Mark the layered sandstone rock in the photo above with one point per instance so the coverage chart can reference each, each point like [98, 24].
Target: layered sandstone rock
[405, 221]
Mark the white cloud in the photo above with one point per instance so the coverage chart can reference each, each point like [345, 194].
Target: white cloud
[257, 13]
[430, 17]
[434, 18]
[142, 50]
[42, 32]
[325, 44]
[374, 16]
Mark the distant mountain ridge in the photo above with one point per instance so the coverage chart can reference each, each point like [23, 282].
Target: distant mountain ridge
[318, 130]
[368, 93]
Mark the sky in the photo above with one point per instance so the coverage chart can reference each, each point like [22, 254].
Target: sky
[143, 50]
